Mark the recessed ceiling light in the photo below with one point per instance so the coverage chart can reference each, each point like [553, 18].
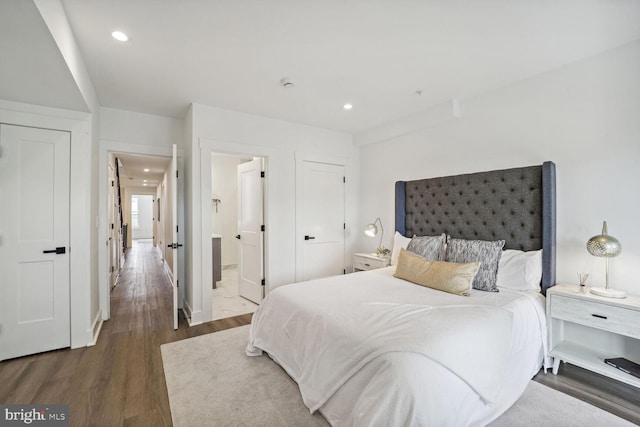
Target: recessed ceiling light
[146, 169]
[120, 36]
[347, 106]
[145, 184]
[144, 180]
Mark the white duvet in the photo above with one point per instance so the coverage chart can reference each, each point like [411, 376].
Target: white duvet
[371, 349]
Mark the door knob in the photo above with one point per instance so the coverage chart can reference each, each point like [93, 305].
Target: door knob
[238, 236]
[309, 237]
[57, 251]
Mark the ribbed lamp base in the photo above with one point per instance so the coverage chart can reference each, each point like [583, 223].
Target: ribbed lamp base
[609, 293]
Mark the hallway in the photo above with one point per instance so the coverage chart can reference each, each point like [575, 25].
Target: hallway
[119, 381]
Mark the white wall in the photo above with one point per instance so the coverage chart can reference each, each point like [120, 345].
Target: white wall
[140, 129]
[224, 185]
[224, 131]
[190, 294]
[585, 117]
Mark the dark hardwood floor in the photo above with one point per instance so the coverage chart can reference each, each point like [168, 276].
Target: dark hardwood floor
[120, 381]
[608, 394]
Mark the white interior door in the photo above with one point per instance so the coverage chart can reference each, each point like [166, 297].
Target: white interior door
[34, 240]
[321, 225]
[175, 268]
[250, 234]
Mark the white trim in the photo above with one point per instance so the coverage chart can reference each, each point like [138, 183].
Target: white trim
[301, 156]
[20, 109]
[96, 328]
[207, 148]
[167, 269]
[189, 314]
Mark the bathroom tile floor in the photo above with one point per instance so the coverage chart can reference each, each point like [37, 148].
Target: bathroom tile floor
[226, 301]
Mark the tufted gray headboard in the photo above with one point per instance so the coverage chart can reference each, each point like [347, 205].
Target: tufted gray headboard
[517, 205]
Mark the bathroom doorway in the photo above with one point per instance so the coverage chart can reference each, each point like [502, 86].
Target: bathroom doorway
[237, 263]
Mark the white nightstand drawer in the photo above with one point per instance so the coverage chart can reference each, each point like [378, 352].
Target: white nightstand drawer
[368, 262]
[602, 316]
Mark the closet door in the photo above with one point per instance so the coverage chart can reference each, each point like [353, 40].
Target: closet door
[34, 240]
[320, 220]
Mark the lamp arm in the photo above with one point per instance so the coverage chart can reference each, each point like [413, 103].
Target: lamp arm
[381, 231]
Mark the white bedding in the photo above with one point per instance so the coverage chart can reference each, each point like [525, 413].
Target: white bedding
[371, 349]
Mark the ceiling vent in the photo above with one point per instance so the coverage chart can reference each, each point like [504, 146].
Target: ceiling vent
[286, 82]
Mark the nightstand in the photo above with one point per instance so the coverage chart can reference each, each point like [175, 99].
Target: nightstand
[584, 329]
[363, 261]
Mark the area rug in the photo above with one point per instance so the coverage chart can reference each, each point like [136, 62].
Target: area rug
[211, 382]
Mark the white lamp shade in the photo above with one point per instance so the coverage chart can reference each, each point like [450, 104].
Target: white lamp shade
[371, 230]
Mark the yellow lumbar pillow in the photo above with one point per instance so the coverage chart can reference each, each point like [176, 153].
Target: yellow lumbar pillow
[455, 278]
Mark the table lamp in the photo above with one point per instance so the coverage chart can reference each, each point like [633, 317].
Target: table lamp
[607, 247]
[371, 230]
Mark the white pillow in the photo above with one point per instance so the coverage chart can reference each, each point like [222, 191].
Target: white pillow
[399, 242]
[520, 271]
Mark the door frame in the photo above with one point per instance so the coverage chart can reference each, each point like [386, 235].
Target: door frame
[207, 148]
[84, 328]
[300, 158]
[108, 147]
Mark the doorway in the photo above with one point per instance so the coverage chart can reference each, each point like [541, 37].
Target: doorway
[142, 219]
[237, 243]
[142, 194]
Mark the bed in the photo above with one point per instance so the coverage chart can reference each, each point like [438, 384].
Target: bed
[372, 349]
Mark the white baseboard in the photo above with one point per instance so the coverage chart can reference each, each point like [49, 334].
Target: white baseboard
[186, 309]
[96, 327]
[167, 270]
[193, 317]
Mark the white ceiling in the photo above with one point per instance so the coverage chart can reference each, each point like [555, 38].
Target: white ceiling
[132, 172]
[372, 53]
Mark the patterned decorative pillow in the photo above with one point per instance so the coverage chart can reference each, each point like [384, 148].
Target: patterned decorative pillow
[449, 277]
[487, 253]
[429, 247]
